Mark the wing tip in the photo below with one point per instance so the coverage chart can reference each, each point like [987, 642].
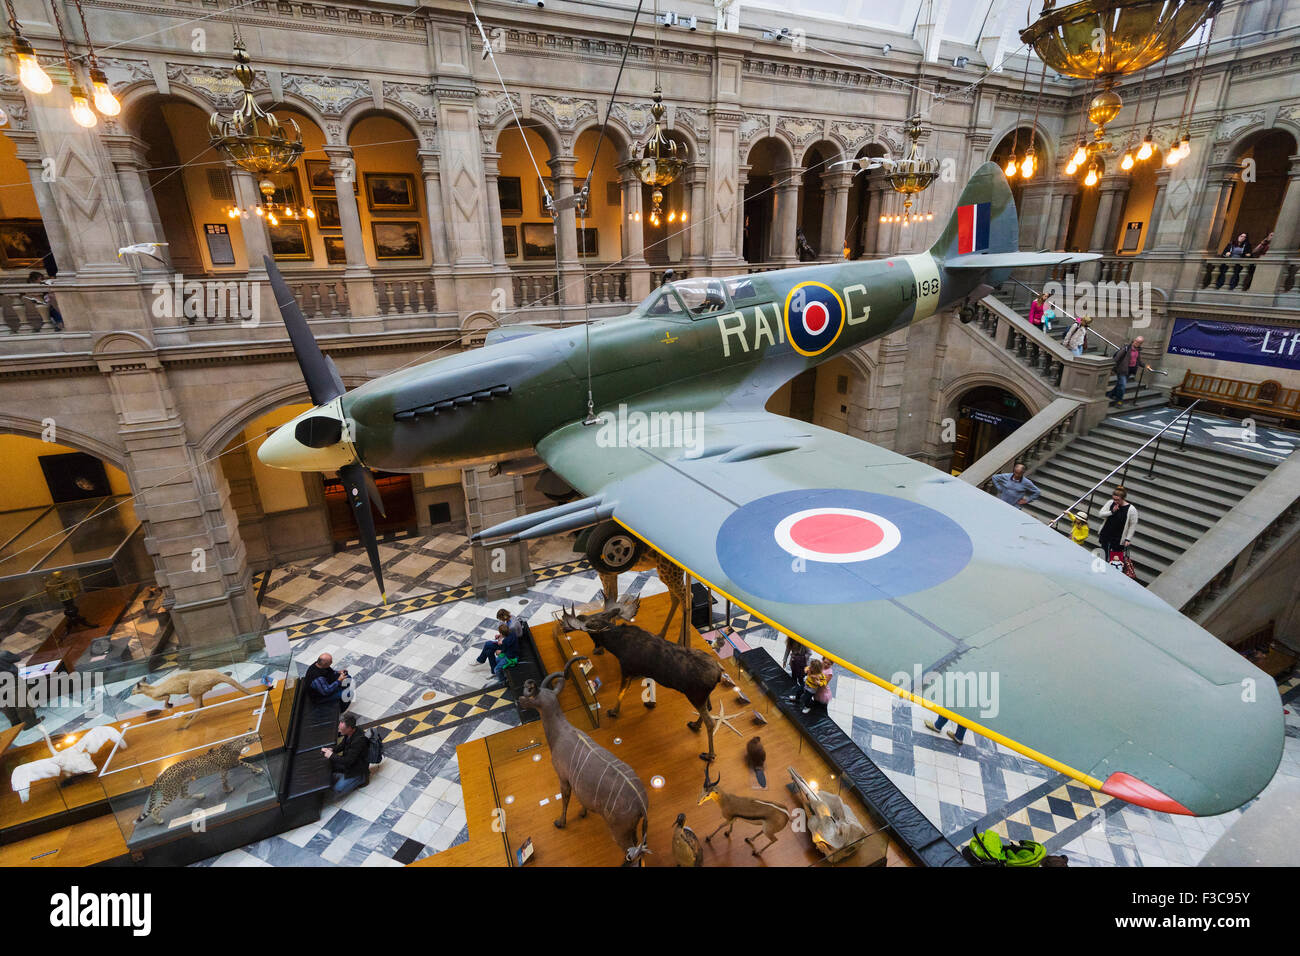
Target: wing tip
[1129, 788]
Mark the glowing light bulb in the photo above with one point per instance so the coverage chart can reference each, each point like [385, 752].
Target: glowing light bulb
[1146, 149]
[1071, 169]
[1010, 167]
[105, 101]
[1127, 162]
[81, 111]
[1079, 156]
[259, 211]
[1185, 148]
[682, 217]
[29, 70]
[311, 214]
[270, 217]
[929, 217]
[1027, 167]
[1091, 178]
[672, 217]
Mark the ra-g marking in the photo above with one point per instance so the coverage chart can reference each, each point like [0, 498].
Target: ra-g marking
[814, 332]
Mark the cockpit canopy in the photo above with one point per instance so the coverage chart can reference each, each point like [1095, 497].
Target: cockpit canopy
[698, 298]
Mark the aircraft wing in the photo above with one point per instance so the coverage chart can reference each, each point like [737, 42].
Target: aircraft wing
[1016, 260]
[907, 576]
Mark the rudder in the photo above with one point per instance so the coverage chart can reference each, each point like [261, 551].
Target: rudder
[984, 220]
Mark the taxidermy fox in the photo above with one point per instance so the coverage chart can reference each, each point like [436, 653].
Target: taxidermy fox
[193, 683]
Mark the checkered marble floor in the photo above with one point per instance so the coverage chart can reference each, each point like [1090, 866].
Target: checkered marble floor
[983, 784]
[1271, 445]
[401, 654]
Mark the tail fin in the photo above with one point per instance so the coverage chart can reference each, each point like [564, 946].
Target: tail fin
[985, 219]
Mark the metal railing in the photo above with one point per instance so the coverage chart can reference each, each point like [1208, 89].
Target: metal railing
[1124, 464]
[1034, 293]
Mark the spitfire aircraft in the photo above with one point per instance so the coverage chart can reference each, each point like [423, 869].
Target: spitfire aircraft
[879, 562]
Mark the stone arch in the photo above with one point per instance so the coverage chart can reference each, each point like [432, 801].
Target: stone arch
[1046, 154]
[393, 109]
[1246, 139]
[958, 387]
[549, 133]
[830, 150]
[293, 102]
[135, 96]
[784, 150]
[618, 133]
[236, 420]
[71, 437]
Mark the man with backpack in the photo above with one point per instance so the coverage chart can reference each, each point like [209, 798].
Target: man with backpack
[1127, 360]
[349, 758]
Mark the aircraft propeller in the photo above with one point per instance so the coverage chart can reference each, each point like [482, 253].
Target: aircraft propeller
[325, 386]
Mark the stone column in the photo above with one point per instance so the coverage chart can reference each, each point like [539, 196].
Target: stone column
[1034, 214]
[634, 233]
[724, 224]
[835, 212]
[1157, 208]
[1213, 207]
[697, 181]
[573, 292]
[29, 151]
[251, 227]
[490, 174]
[433, 200]
[190, 527]
[357, 276]
[1103, 238]
[142, 220]
[1286, 232]
[871, 228]
[1053, 225]
[1063, 228]
[738, 216]
[784, 220]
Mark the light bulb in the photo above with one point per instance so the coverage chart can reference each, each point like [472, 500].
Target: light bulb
[1091, 178]
[311, 213]
[105, 101]
[1185, 148]
[1079, 156]
[682, 217]
[1072, 168]
[29, 70]
[270, 217]
[81, 111]
[882, 218]
[1010, 167]
[259, 211]
[1127, 162]
[672, 217]
[929, 217]
[1173, 157]
[1027, 167]
[1146, 149]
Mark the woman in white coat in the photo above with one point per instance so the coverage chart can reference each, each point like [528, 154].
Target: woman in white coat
[1119, 522]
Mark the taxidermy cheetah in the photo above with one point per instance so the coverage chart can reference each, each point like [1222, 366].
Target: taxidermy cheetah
[175, 780]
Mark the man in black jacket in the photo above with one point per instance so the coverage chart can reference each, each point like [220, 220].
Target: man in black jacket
[324, 683]
[349, 758]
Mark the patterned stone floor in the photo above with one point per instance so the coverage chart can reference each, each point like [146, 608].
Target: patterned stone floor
[1271, 445]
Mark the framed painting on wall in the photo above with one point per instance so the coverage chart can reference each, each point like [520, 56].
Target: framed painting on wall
[539, 240]
[320, 179]
[510, 234]
[22, 243]
[73, 476]
[335, 254]
[588, 241]
[327, 214]
[541, 195]
[397, 239]
[289, 240]
[510, 192]
[390, 191]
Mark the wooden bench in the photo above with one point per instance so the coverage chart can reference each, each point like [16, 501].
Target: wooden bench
[1268, 398]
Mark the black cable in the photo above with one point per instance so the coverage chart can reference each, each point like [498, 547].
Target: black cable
[614, 94]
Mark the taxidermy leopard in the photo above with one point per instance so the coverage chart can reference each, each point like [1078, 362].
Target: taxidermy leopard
[175, 780]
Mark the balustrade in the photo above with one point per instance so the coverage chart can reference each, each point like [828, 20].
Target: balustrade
[1234, 275]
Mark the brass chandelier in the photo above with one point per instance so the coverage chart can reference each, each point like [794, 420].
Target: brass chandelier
[912, 174]
[1102, 40]
[660, 161]
[256, 140]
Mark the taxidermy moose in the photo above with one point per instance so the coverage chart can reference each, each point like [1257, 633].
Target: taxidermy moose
[640, 654]
[602, 782]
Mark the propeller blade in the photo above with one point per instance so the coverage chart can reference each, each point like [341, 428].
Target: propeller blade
[373, 488]
[323, 384]
[354, 483]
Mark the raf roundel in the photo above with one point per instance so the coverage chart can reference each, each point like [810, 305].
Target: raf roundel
[837, 546]
[814, 317]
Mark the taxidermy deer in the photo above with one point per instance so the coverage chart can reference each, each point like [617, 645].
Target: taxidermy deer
[192, 683]
[772, 817]
[640, 654]
[602, 782]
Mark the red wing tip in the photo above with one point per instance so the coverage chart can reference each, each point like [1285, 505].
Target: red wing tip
[1130, 788]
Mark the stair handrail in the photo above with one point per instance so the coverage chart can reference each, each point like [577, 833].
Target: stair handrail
[1091, 330]
[1123, 464]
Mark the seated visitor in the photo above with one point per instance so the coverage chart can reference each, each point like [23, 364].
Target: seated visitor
[349, 758]
[324, 683]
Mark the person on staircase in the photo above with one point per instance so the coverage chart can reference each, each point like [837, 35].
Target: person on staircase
[1119, 523]
[1076, 339]
[1127, 361]
[1037, 308]
[1014, 488]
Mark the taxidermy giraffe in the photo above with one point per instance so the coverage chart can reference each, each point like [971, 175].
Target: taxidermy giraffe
[674, 579]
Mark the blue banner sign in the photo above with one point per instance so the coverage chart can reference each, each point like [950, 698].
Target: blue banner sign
[1230, 342]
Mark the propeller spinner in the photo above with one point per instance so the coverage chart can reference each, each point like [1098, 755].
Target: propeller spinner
[322, 439]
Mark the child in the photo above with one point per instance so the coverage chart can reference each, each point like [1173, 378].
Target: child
[1049, 313]
[816, 685]
[796, 657]
[1079, 527]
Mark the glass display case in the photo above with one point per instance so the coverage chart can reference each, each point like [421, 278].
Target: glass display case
[194, 769]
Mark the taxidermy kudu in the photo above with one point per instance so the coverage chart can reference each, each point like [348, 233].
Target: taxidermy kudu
[640, 654]
[772, 817]
[602, 782]
[195, 684]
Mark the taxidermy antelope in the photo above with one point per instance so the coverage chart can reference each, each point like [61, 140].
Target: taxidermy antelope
[602, 782]
[773, 817]
[195, 684]
[640, 654]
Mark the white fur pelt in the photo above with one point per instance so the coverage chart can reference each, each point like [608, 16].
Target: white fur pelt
[65, 763]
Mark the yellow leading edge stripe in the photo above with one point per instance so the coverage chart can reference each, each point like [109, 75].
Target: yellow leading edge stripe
[897, 691]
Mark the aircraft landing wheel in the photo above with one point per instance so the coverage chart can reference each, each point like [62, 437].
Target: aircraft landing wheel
[611, 549]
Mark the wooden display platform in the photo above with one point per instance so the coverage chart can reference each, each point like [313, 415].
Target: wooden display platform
[83, 844]
[102, 607]
[654, 742]
[49, 797]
